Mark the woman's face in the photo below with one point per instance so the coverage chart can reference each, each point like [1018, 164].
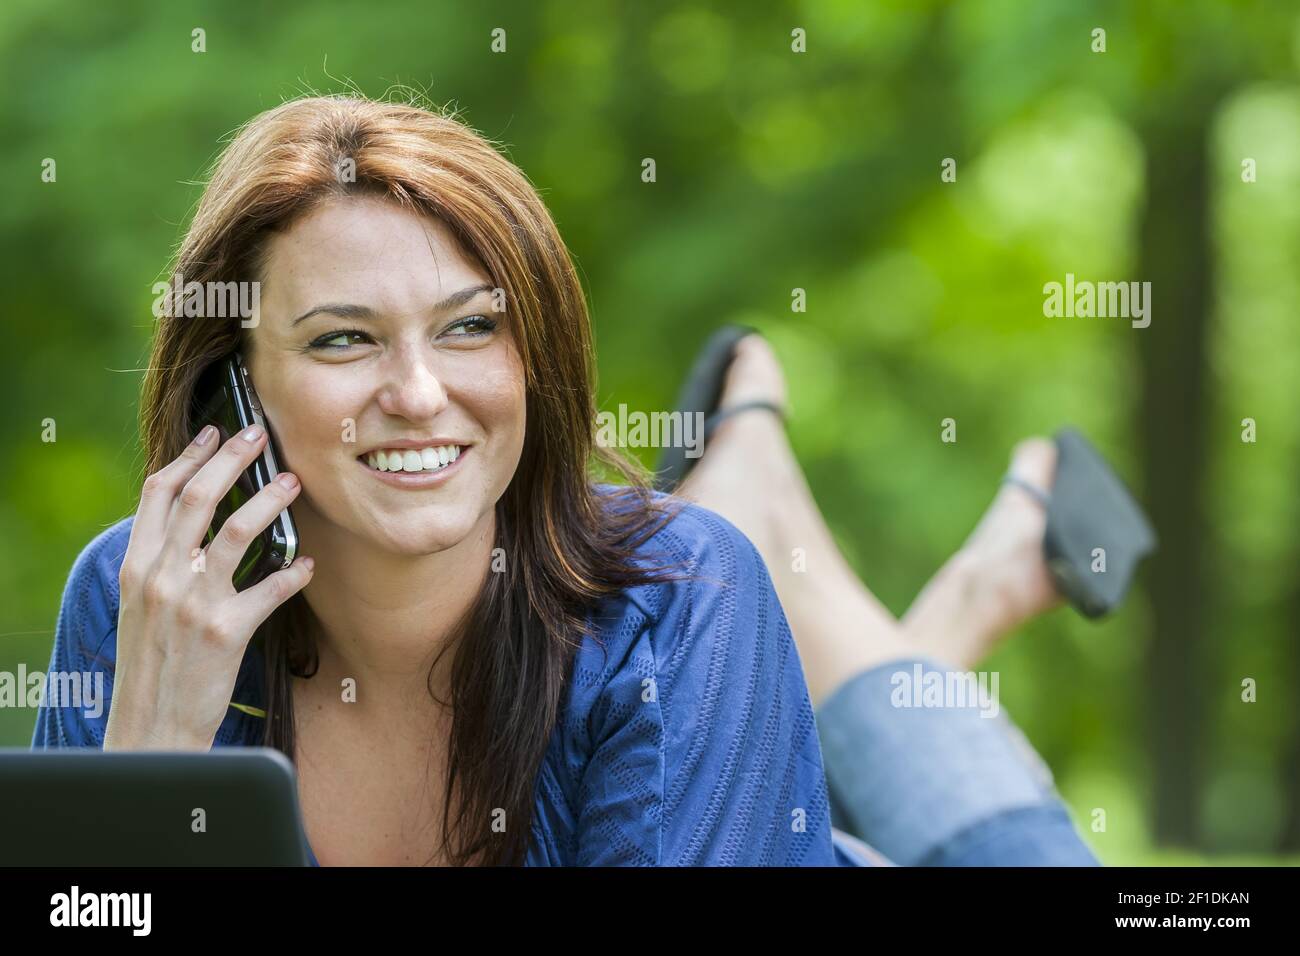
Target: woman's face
[377, 358]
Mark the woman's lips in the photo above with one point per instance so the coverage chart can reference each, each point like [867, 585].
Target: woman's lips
[417, 479]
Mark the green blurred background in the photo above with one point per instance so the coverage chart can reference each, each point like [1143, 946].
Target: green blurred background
[779, 170]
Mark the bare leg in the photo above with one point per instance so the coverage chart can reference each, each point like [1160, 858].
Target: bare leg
[994, 583]
[839, 626]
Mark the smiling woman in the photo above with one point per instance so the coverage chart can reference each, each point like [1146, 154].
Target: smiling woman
[492, 660]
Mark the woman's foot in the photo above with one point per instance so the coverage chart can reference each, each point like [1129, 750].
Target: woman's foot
[999, 578]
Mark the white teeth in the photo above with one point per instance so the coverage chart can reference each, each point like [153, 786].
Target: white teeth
[413, 459]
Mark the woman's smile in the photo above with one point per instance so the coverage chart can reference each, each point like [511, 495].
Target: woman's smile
[414, 465]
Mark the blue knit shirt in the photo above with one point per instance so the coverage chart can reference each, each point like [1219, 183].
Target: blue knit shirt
[688, 739]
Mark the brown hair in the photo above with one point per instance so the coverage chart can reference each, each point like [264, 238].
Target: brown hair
[565, 544]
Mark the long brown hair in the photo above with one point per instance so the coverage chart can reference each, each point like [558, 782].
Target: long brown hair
[565, 546]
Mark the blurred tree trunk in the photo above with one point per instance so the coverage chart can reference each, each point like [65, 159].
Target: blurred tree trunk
[1175, 256]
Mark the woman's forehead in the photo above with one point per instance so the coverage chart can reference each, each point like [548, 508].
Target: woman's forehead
[365, 251]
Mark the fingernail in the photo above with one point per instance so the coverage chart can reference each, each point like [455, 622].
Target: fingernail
[205, 434]
[288, 479]
[252, 433]
[309, 564]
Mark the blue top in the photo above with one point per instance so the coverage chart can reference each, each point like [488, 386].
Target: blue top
[689, 740]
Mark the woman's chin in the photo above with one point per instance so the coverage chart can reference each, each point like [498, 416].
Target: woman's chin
[410, 532]
[413, 538]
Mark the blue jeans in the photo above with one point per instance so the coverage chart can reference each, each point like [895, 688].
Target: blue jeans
[954, 785]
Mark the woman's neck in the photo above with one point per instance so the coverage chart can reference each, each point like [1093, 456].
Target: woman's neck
[384, 618]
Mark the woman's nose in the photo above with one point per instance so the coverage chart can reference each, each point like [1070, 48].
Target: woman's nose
[413, 389]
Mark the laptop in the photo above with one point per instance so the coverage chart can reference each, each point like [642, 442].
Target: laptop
[83, 807]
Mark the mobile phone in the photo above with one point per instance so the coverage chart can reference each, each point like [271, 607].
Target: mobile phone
[225, 398]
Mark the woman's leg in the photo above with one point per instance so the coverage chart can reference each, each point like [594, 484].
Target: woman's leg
[939, 785]
[994, 583]
[772, 504]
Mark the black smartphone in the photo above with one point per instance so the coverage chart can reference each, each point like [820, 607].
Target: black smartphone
[225, 398]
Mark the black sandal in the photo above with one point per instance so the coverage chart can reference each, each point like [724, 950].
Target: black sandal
[1096, 532]
[701, 393]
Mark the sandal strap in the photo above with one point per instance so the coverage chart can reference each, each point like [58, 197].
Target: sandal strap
[717, 418]
[1038, 494]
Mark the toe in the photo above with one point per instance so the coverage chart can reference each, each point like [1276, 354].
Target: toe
[1034, 460]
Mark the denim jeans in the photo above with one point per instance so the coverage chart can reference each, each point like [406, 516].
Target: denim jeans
[953, 785]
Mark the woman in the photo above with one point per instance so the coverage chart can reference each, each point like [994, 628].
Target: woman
[483, 657]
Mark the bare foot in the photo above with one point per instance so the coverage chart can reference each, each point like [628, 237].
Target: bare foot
[999, 578]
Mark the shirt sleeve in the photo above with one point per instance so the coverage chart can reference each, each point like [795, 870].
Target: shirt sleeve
[77, 686]
[705, 752]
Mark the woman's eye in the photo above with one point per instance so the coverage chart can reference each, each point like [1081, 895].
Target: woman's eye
[472, 325]
[336, 340]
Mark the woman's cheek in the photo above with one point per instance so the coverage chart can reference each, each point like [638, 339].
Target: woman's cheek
[312, 429]
[510, 416]
[493, 393]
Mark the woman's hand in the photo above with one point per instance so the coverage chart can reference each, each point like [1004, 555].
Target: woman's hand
[182, 627]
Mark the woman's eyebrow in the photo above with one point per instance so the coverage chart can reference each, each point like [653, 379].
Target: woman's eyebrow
[343, 311]
[365, 312]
